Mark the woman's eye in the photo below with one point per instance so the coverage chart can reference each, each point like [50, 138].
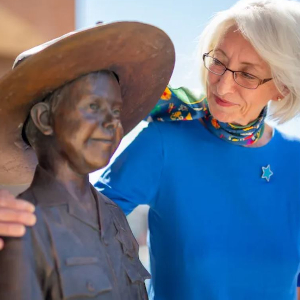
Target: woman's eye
[217, 62]
[248, 76]
[94, 106]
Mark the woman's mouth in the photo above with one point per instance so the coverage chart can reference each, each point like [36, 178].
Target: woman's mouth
[223, 102]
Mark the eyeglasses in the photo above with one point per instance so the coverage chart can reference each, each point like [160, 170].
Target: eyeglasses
[243, 79]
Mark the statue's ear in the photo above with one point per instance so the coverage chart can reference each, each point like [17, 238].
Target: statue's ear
[40, 115]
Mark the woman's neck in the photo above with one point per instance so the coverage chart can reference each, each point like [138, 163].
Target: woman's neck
[265, 139]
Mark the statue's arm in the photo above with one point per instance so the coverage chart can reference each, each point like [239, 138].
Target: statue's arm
[134, 177]
[19, 274]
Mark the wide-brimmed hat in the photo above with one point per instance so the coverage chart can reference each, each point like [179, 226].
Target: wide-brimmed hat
[141, 55]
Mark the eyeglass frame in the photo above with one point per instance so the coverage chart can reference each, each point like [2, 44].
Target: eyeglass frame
[262, 81]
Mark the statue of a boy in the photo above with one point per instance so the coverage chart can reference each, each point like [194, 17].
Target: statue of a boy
[86, 86]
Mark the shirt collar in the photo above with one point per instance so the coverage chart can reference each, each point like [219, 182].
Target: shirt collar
[50, 192]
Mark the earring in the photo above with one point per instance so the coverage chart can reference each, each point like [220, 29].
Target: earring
[279, 99]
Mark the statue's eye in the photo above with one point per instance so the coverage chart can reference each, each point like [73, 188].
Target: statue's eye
[117, 112]
[94, 107]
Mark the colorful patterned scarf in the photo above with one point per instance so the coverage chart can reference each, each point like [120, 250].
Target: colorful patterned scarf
[181, 105]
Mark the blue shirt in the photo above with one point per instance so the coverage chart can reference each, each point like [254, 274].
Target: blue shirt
[218, 231]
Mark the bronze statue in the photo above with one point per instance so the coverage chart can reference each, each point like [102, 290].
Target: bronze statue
[79, 93]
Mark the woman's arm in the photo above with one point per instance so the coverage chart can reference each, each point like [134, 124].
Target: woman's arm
[134, 177]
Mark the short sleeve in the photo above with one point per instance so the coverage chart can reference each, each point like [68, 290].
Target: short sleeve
[134, 177]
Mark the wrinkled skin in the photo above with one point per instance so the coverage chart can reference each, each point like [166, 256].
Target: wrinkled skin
[242, 105]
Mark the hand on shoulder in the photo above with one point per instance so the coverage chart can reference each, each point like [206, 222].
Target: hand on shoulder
[15, 214]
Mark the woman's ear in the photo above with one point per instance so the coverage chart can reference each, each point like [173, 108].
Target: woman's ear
[40, 115]
[285, 91]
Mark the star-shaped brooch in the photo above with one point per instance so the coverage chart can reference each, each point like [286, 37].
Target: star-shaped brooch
[267, 173]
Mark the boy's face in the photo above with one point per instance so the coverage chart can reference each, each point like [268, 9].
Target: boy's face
[86, 123]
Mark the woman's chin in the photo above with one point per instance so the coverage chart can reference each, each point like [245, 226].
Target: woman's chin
[221, 116]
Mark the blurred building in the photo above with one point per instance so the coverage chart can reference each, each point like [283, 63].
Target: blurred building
[25, 24]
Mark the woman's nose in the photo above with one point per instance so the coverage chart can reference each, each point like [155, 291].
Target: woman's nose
[226, 83]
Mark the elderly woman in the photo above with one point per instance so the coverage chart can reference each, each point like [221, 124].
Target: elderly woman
[223, 186]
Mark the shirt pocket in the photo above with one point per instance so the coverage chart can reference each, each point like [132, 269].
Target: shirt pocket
[137, 275]
[84, 278]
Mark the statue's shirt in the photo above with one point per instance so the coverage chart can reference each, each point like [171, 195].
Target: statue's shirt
[66, 255]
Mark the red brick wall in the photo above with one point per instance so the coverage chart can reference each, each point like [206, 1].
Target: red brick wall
[47, 18]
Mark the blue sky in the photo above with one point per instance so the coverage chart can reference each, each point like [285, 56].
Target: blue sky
[182, 20]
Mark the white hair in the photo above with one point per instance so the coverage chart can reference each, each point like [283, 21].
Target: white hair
[273, 29]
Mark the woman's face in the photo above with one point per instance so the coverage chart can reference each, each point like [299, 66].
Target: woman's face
[228, 101]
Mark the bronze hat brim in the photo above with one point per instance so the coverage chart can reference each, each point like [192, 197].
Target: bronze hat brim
[140, 54]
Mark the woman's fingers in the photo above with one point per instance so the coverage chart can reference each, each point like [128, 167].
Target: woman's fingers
[12, 230]
[14, 216]
[7, 200]
[17, 216]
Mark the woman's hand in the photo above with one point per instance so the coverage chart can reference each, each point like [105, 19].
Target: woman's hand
[14, 216]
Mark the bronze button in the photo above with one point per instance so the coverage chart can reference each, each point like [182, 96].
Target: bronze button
[90, 286]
